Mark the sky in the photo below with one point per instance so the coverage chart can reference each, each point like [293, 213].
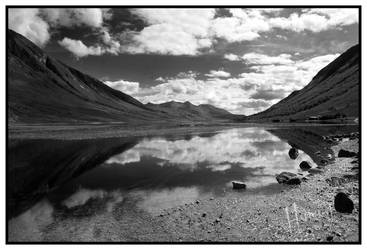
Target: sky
[243, 60]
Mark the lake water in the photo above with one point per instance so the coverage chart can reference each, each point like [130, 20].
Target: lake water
[51, 182]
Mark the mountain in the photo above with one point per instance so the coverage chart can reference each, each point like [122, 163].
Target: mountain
[187, 110]
[334, 92]
[42, 89]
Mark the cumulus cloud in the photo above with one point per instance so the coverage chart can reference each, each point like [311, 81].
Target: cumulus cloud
[247, 93]
[289, 77]
[243, 25]
[226, 93]
[232, 57]
[127, 87]
[316, 20]
[28, 23]
[218, 73]
[69, 17]
[172, 31]
[255, 58]
[177, 31]
[79, 49]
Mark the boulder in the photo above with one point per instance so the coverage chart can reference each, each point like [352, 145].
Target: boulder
[304, 165]
[293, 181]
[343, 204]
[293, 153]
[315, 171]
[346, 153]
[284, 177]
[238, 185]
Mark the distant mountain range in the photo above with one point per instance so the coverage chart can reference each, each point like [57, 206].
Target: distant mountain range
[42, 89]
[333, 93]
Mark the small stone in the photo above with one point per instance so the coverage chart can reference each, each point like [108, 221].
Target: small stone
[294, 181]
[343, 204]
[197, 202]
[284, 177]
[346, 153]
[238, 185]
[329, 238]
[203, 215]
[304, 165]
[293, 153]
[217, 220]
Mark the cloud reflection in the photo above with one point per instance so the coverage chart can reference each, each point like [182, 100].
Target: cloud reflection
[245, 147]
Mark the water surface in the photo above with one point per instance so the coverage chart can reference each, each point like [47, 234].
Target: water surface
[54, 183]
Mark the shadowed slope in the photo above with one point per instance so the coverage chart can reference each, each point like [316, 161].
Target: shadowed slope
[44, 90]
[333, 92]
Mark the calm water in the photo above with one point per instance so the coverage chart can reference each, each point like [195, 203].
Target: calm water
[51, 182]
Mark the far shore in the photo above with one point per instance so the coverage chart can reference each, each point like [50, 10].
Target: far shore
[96, 130]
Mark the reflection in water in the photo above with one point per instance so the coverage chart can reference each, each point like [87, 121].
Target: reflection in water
[60, 189]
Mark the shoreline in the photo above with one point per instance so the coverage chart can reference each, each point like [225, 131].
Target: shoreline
[302, 213]
[99, 131]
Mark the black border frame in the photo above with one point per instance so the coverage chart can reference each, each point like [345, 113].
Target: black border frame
[359, 7]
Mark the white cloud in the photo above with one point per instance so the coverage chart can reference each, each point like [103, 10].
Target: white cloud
[28, 23]
[288, 77]
[338, 16]
[225, 93]
[316, 20]
[172, 31]
[176, 31]
[127, 87]
[232, 57]
[69, 17]
[246, 94]
[79, 49]
[34, 24]
[218, 73]
[255, 58]
[111, 45]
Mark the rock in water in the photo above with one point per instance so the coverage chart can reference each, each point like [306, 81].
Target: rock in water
[346, 153]
[343, 204]
[304, 165]
[284, 177]
[294, 181]
[293, 153]
[238, 185]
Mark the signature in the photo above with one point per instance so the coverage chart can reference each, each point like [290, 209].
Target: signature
[295, 215]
